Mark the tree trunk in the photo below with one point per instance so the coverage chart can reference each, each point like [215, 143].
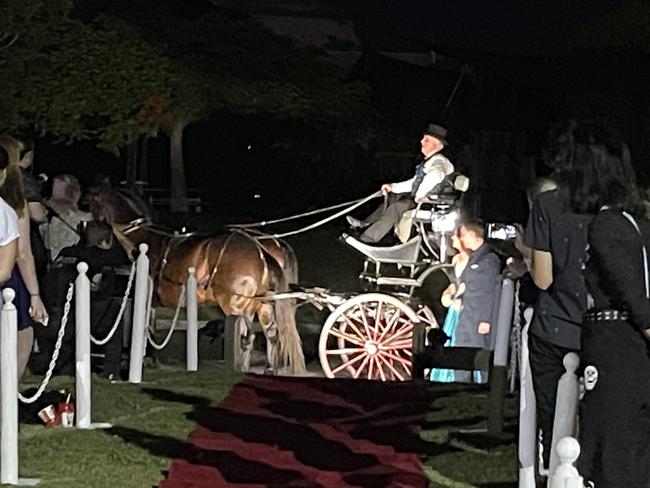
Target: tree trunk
[178, 186]
[143, 160]
[131, 163]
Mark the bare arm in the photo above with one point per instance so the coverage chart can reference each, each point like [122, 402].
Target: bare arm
[25, 262]
[37, 212]
[7, 260]
[542, 269]
[525, 251]
[538, 239]
[448, 295]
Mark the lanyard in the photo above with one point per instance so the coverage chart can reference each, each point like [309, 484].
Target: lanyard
[645, 254]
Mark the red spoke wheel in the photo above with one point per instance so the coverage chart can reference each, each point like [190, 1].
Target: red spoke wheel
[427, 317]
[369, 336]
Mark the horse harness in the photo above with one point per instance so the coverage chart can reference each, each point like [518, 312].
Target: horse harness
[175, 240]
[209, 278]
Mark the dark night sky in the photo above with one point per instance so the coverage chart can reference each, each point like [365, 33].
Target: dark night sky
[506, 28]
[499, 27]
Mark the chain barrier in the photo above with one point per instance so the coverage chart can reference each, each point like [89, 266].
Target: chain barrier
[55, 354]
[118, 319]
[147, 317]
[181, 303]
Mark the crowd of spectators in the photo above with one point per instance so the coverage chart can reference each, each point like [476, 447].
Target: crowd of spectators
[45, 234]
[589, 238]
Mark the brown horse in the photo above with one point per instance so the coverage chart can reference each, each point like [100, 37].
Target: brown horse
[237, 271]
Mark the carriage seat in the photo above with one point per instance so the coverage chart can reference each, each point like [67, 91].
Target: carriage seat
[448, 191]
[406, 253]
[442, 198]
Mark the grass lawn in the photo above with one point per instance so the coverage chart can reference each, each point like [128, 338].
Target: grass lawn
[152, 420]
[454, 463]
[150, 423]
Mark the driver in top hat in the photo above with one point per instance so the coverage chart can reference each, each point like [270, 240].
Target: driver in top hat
[430, 172]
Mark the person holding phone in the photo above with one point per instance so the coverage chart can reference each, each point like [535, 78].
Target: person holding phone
[557, 237]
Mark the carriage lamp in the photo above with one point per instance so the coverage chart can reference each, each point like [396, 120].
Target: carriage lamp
[445, 222]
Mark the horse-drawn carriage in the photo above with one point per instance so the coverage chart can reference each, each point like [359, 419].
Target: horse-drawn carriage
[373, 335]
[248, 273]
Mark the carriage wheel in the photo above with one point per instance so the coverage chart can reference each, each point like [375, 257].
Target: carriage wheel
[427, 317]
[369, 336]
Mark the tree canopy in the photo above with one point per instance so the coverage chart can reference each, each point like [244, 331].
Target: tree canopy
[627, 26]
[115, 70]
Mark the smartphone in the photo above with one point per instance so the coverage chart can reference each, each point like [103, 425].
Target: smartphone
[503, 232]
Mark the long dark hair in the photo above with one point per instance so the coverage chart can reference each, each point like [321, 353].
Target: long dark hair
[594, 165]
[11, 187]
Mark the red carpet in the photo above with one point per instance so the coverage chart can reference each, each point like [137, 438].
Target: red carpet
[306, 432]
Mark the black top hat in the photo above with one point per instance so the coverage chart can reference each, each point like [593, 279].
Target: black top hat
[436, 131]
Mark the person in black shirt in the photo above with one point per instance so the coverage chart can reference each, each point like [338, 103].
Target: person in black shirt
[98, 251]
[107, 290]
[519, 268]
[558, 238]
[615, 412]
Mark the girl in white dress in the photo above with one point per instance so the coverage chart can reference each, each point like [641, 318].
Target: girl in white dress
[22, 279]
[8, 227]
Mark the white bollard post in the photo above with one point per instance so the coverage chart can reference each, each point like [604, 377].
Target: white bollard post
[191, 312]
[82, 347]
[139, 328]
[499, 373]
[566, 406]
[9, 378]
[83, 378]
[9, 394]
[527, 412]
[504, 323]
[566, 475]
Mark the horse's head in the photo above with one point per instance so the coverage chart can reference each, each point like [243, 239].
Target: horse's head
[124, 210]
[118, 206]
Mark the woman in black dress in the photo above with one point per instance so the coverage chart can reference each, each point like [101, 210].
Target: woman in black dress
[615, 411]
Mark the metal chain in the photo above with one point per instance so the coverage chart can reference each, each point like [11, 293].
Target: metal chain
[515, 340]
[181, 303]
[55, 354]
[120, 313]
